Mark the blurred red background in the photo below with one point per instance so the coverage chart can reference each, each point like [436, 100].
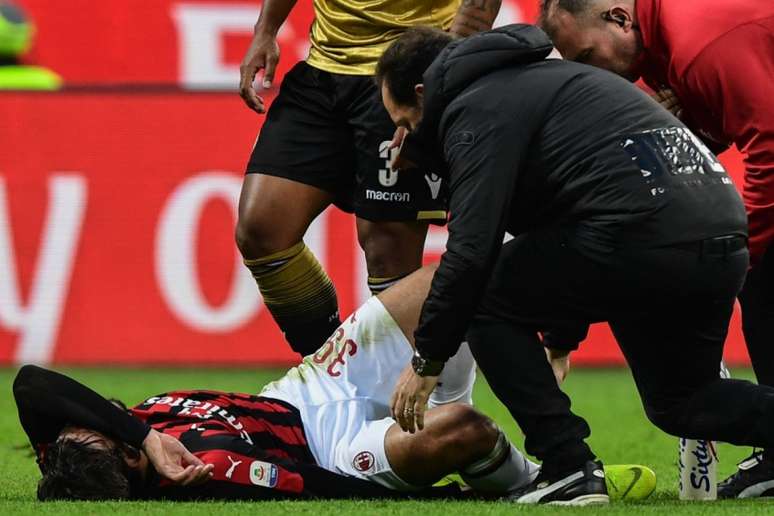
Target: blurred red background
[118, 194]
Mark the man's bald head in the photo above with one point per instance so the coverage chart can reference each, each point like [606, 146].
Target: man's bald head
[602, 33]
[578, 8]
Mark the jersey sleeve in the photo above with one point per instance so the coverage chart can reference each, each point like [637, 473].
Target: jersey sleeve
[483, 152]
[736, 85]
[241, 471]
[49, 401]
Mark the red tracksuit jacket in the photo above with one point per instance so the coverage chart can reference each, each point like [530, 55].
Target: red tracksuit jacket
[718, 57]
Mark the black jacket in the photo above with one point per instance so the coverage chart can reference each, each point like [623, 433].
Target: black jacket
[529, 143]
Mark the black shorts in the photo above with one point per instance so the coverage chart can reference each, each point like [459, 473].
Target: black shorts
[331, 131]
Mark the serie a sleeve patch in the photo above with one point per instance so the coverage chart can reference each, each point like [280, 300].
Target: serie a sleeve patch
[241, 469]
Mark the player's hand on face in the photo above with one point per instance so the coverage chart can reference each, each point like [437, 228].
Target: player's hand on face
[173, 461]
[560, 363]
[669, 101]
[409, 400]
[263, 53]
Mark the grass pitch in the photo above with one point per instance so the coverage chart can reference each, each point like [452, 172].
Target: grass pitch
[606, 397]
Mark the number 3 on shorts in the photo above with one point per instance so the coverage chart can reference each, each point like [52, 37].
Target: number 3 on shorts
[387, 176]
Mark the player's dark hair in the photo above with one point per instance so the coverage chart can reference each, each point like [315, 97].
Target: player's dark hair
[404, 62]
[575, 7]
[75, 470]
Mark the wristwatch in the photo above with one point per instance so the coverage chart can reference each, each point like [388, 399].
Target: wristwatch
[424, 367]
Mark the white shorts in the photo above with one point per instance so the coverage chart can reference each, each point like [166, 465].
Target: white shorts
[343, 392]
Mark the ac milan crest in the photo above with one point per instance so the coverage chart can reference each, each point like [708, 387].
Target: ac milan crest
[363, 461]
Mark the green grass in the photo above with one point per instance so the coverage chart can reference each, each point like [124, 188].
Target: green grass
[606, 397]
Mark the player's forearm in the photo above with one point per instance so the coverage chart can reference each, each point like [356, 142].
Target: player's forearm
[48, 401]
[273, 15]
[475, 16]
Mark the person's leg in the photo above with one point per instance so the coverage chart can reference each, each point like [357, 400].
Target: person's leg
[267, 223]
[538, 282]
[757, 301]
[514, 363]
[456, 438]
[755, 476]
[677, 374]
[392, 250]
[301, 163]
[343, 393]
[295, 288]
[674, 347]
[455, 385]
[404, 302]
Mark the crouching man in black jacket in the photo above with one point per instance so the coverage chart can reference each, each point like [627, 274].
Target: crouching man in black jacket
[619, 214]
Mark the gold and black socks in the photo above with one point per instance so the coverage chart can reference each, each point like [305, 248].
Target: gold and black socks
[299, 294]
[379, 285]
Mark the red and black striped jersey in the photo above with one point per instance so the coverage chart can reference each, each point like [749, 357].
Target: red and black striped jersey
[271, 425]
[256, 444]
[252, 441]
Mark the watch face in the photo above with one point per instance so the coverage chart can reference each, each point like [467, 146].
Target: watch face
[425, 367]
[418, 364]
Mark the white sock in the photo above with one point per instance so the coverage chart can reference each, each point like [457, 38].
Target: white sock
[456, 381]
[503, 470]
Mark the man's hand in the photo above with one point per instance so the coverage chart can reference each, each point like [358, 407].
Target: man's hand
[560, 363]
[409, 400]
[263, 54]
[173, 461]
[397, 160]
[669, 101]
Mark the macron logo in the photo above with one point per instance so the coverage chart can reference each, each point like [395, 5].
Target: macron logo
[434, 182]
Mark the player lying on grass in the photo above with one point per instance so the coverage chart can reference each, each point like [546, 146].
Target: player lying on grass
[323, 430]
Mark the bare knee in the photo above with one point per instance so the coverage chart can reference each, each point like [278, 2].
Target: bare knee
[391, 248]
[464, 431]
[267, 222]
[454, 436]
[257, 236]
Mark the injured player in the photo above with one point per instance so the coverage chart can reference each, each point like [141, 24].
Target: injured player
[322, 430]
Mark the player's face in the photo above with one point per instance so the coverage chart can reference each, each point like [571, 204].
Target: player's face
[403, 116]
[599, 43]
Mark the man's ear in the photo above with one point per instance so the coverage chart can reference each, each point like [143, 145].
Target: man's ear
[419, 89]
[623, 16]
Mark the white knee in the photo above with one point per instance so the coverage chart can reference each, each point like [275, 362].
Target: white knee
[455, 385]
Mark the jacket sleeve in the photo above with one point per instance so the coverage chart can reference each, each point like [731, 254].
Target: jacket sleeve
[736, 85]
[49, 401]
[566, 338]
[483, 152]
